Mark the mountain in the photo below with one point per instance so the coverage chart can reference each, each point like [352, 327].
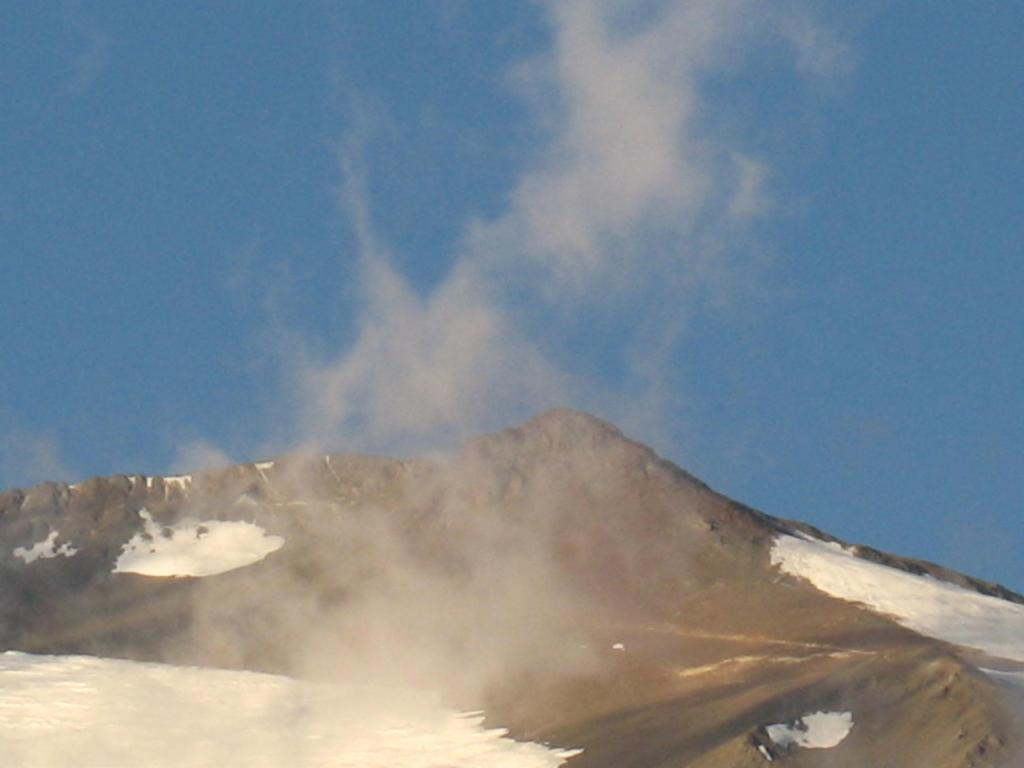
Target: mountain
[578, 589]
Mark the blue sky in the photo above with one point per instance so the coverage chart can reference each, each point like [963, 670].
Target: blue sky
[783, 245]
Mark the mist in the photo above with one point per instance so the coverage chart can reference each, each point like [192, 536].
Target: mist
[633, 215]
[546, 574]
[478, 575]
[483, 569]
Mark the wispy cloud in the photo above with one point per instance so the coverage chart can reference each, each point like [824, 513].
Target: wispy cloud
[424, 370]
[27, 458]
[199, 454]
[91, 53]
[627, 154]
[630, 215]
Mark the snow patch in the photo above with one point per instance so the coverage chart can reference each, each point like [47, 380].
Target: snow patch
[924, 604]
[194, 548]
[618, 647]
[179, 481]
[78, 710]
[818, 730]
[45, 549]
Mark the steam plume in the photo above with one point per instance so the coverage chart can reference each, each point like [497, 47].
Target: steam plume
[632, 216]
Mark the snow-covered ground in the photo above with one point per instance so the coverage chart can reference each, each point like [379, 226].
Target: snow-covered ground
[926, 605]
[818, 730]
[182, 482]
[45, 549]
[58, 711]
[194, 548]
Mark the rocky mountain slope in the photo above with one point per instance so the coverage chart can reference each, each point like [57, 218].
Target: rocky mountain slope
[580, 590]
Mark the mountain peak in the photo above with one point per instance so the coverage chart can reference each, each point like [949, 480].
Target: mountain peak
[563, 429]
[582, 443]
[557, 574]
[573, 422]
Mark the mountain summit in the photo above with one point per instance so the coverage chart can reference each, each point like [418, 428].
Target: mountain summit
[564, 579]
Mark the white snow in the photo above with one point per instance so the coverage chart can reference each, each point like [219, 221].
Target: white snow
[926, 605]
[45, 549]
[818, 730]
[179, 481]
[765, 753]
[195, 548]
[63, 711]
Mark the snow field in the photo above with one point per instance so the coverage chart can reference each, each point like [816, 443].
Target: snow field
[60, 711]
[926, 605]
[45, 549]
[194, 548]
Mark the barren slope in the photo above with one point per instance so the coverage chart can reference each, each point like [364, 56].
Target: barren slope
[582, 590]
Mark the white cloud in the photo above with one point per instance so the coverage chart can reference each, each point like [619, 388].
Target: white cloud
[630, 214]
[425, 370]
[635, 159]
[625, 154]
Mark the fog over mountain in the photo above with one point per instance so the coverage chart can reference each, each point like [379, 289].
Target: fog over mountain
[561, 579]
[363, 241]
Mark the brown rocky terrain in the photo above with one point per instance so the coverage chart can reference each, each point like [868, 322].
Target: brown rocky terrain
[567, 580]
